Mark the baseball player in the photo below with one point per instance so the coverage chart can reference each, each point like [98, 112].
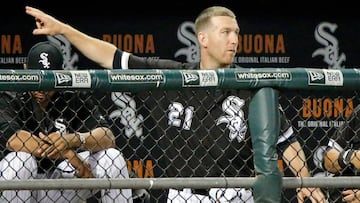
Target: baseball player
[205, 132]
[57, 134]
[341, 157]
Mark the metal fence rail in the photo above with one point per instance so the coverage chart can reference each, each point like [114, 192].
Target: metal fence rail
[165, 183]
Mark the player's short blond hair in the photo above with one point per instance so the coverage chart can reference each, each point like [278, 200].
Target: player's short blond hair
[204, 17]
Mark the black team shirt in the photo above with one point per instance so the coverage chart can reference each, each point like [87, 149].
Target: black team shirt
[199, 132]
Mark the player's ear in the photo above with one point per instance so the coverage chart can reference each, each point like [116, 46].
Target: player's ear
[202, 38]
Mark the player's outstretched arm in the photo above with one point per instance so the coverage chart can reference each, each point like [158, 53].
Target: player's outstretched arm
[95, 49]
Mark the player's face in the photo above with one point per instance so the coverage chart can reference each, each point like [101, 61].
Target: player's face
[222, 40]
[42, 97]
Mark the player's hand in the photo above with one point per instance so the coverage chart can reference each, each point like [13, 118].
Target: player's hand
[82, 168]
[46, 25]
[355, 160]
[58, 144]
[84, 171]
[351, 196]
[42, 147]
[314, 194]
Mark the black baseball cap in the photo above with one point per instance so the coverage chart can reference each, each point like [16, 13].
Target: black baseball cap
[45, 56]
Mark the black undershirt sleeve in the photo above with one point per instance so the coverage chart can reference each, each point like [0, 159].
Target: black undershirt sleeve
[136, 62]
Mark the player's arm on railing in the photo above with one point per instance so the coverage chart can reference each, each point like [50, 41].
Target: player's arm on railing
[343, 147]
[335, 160]
[295, 158]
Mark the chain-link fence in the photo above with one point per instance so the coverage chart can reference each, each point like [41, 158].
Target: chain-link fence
[192, 132]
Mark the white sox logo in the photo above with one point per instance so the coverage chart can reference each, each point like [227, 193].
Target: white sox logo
[331, 49]
[44, 60]
[127, 114]
[235, 119]
[186, 35]
[60, 126]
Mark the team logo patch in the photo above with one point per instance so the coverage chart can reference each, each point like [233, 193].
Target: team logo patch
[199, 78]
[325, 77]
[73, 79]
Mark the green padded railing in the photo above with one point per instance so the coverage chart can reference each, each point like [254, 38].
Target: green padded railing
[143, 79]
